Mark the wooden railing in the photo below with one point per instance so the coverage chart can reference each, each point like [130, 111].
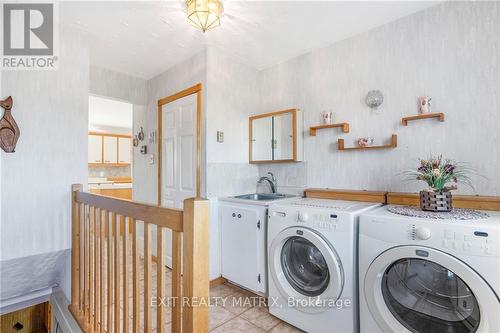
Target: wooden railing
[109, 272]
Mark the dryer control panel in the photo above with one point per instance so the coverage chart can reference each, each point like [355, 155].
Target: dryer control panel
[476, 241]
[467, 237]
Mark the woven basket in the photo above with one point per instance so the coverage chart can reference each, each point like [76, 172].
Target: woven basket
[435, 201]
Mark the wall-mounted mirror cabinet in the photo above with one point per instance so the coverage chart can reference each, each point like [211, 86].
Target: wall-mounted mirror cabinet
[276, 137]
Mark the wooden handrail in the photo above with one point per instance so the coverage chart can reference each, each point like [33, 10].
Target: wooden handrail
[106, 264]
[165, 217]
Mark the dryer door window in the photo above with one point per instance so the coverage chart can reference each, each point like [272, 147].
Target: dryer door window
[304, 266]
[426, 297]
[423, 290]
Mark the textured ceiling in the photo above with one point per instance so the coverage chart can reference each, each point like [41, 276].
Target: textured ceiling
[144, 39]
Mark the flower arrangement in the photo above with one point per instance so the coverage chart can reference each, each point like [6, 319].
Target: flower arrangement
[442, 175]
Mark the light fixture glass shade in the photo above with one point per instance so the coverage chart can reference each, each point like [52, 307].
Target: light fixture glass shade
[204, 14]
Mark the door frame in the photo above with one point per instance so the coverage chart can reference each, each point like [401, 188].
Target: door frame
[196, 89]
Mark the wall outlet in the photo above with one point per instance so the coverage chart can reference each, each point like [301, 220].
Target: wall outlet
[220, 136]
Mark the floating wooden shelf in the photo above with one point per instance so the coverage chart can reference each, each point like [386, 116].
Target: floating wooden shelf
[313, 129]
[440, 116]
[393, 144]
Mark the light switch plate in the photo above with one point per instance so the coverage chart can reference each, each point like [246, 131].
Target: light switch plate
[151, 159]
[220, 136]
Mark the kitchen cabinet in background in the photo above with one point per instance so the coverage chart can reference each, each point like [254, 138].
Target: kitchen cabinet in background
[95, 148]
[124, 148]
[110, 150]
[106, 149]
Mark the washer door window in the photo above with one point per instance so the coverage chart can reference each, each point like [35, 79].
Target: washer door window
[305, 269]
[304, 266]
[425, 296]
[420, 289]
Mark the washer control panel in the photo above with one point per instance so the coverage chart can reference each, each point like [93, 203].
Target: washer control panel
[319, 221]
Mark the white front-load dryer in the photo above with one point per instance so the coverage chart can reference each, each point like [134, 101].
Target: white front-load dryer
[428, 275]
[312, 263]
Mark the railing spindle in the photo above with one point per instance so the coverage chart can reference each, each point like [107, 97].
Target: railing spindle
[91, 265]
[124, 224]
[160, 279]
[102, 227]
[75, 248]
[96, 268]
[109, 223]
[86, 224]
[116, 231]
[147, 278]
[82, 258]
[176, 281]
[135, 277]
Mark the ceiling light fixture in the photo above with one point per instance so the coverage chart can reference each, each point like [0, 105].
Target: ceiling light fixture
[204, 14]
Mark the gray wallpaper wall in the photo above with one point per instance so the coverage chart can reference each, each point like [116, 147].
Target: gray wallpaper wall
[450, 52]
[232, 90]
[51, 109]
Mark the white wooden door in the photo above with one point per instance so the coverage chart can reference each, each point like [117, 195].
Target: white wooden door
[178, 156]
[95, 149]
[110, 147]
[124, 152]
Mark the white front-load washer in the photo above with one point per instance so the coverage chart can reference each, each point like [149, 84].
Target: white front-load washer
[312, 263]
[428, 275]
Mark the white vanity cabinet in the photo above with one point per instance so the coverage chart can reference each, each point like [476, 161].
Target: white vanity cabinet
[243, 250]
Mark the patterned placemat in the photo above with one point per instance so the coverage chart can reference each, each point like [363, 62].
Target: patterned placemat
[454, 214]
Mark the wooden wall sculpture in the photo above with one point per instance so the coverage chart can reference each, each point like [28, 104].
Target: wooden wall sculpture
[9, 132]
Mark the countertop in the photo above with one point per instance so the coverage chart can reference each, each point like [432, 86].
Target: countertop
[109, 183]
[255, 202]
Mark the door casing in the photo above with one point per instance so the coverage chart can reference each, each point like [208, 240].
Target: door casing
[196, 89]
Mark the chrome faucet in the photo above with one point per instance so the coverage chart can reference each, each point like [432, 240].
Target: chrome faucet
[271, 180]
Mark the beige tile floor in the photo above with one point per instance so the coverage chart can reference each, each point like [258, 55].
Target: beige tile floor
[250, 319]
[230, 309]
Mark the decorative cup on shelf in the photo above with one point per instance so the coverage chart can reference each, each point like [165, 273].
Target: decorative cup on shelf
[424, 104]
[327, 117]
[365, 142]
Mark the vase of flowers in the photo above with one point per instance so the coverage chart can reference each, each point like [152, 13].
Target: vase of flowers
[442, 176]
